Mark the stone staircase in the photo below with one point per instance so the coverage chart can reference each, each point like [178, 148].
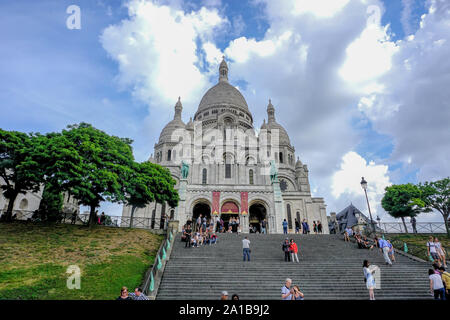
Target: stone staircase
[329, 268]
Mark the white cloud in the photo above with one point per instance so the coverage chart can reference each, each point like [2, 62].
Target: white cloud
[346, 181]
[369, 56]
[156, 51]
[413, 108]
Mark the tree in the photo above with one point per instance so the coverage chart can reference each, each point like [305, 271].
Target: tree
[18, 168]
[98, 169]
[149, 182]
[436, 196]
[399, 201]
[50, 207]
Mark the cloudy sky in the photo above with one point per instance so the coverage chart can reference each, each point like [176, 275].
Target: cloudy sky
[362, 86]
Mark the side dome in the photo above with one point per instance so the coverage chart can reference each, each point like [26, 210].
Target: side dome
[176, 123]
[298, 164]
[282, 133]
[272, 124]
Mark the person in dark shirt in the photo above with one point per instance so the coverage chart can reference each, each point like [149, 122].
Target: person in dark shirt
[286, 249]
[102, 219]
[297, 226]
[188, 234]
[124, 294]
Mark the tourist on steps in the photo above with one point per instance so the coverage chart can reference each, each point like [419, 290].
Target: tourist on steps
[319, 227]
[305, 226]
[436, 285]
[445, 276]
[431, 250]
[294, 250]
[246, 248]
[297, 295]
[124, 294]
[440, 251]
[384, 248]
[224, 295]
[188, 233]
[369, 279]
[297, 226]
[286, 291]
[138, 295]
[391, 251]
[286, 249]
[263, 226]
[285, 226]
[199, 223]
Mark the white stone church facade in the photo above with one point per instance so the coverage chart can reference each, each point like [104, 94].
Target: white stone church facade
[229, 166]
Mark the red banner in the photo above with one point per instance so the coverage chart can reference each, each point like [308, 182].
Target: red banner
[244, 202]
[216, 202]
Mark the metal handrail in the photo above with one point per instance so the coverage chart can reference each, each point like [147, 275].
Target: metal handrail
[160, 258]
[115, 221]
[421, 227]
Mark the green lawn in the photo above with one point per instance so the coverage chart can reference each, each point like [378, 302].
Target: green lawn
[34, 260]
[417, 243]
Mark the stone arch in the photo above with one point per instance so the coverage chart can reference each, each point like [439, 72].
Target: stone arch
[258, 211]
[250, 161]
[230, 199]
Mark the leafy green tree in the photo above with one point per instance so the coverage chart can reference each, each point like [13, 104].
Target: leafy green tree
[93, 165]
[19, 169]
[50, 207]
[436, 196]
[399, 201]
[150, 182]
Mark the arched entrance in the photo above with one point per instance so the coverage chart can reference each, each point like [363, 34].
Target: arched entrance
[228, 211]
[201, 208]
[258, 213]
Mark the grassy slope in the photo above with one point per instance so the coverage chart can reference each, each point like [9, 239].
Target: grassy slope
[420, 241]
[34, 259]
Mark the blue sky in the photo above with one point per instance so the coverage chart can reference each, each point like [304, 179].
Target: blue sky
[51, 77]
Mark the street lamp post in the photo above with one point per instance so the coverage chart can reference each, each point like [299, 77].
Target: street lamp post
[364, 186]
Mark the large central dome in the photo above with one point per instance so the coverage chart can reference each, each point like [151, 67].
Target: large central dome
[223, 94]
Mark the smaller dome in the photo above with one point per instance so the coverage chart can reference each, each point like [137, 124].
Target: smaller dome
[282, 133]
[190, 125]
[166, 133]
[264, 125]
[176, 123]
[298, 164]
[272, 124]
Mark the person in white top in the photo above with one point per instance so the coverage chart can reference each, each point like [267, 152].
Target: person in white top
[436, 286]
[440, 251]
[369, 278]
[286, 290]
[246, 248]
[431, 249]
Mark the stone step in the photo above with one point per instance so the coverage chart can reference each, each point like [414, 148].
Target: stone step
[329, 268]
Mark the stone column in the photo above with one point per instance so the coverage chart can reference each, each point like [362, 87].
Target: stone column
[279, 208]
[180, 214]
[244, 223]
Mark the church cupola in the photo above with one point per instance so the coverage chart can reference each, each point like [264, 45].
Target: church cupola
[178, 109]
[270, 112]
[223, 71]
